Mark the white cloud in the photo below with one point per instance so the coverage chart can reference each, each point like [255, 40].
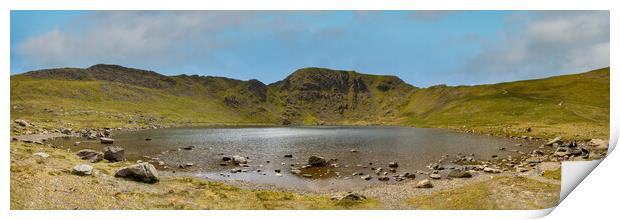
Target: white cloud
[547, 43]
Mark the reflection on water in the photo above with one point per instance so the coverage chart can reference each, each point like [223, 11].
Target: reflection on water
[412, 148]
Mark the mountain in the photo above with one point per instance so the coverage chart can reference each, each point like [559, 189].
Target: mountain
[115, 96]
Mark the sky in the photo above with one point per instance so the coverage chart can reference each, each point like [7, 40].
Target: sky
[424, 48]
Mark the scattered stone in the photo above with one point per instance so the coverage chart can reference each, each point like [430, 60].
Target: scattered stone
[190, 147]
[557, 140]
[114, 154]
[288, 155]
[76, 143]
[353, 151]
[90, 155]
[22, 122]
[147, 139]
[278, 174]
[42, 155]
[66, 131]
[491, 170]
[317, 161]
[225, 158]
[82, 170]
[349, 196]
[106, 140]
[366, 177]
[143, 172]
[435, 176]
[425, 183]
[598, 144]
[408, 175]
[295, 171]
[459, 174]
[235, 170]
[393, 164]
[239, 159]
[277, 170]
[307, 175]
[383, 178]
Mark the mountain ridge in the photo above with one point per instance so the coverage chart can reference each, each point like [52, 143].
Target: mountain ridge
[313, 96]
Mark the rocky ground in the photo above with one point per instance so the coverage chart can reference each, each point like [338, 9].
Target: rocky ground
[43, 177]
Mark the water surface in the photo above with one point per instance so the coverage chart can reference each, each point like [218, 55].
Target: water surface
[412, 148]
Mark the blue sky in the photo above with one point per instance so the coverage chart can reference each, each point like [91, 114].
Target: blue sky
[423, 48]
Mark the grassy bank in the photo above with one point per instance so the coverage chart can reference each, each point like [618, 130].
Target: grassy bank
[498, 193]
[38, 183]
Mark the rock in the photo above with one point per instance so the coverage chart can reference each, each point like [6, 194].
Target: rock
[435, 176]
[459, 174]
[143, 172]
[317, 161]
[307, 175]
[349, 196]
[557, 140]
[393, 164]
[22, 122]
[491, 170]
[277, 170]
[225, 158]
[66, 131]
[353, 151]
[295, 171]
[90, 155]
[278, 174]
[598, 144]
[76, 143]
[239, 159]
[424, 184]
[383, 178]
[408, 175]
[366, 177]
[190, 147]
[288, 155]
[106, 140]
[147, 139]
[235, 170]
[114, 154]
[82, 170]
[42, 155]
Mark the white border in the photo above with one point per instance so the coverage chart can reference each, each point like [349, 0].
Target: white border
[598, 202]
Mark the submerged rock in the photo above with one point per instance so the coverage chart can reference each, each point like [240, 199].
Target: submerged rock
[317, 161]
[143, 172]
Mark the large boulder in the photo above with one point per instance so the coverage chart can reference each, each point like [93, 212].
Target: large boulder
[90, 155]
[106, 140]
[82, 170]
[114, 154]
[317, 161]
[143, 172]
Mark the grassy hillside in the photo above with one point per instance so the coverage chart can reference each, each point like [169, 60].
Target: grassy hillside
[568, 105]
[114, 96]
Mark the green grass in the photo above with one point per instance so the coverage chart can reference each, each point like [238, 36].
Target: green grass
[553, 174]
[497, 193]
[510, 108]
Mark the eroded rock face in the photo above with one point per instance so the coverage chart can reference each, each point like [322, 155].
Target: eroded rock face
[114, 154]
[317, 161]
[90, 155]
[142, 172]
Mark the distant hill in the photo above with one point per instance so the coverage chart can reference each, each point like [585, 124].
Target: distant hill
[116, 96]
